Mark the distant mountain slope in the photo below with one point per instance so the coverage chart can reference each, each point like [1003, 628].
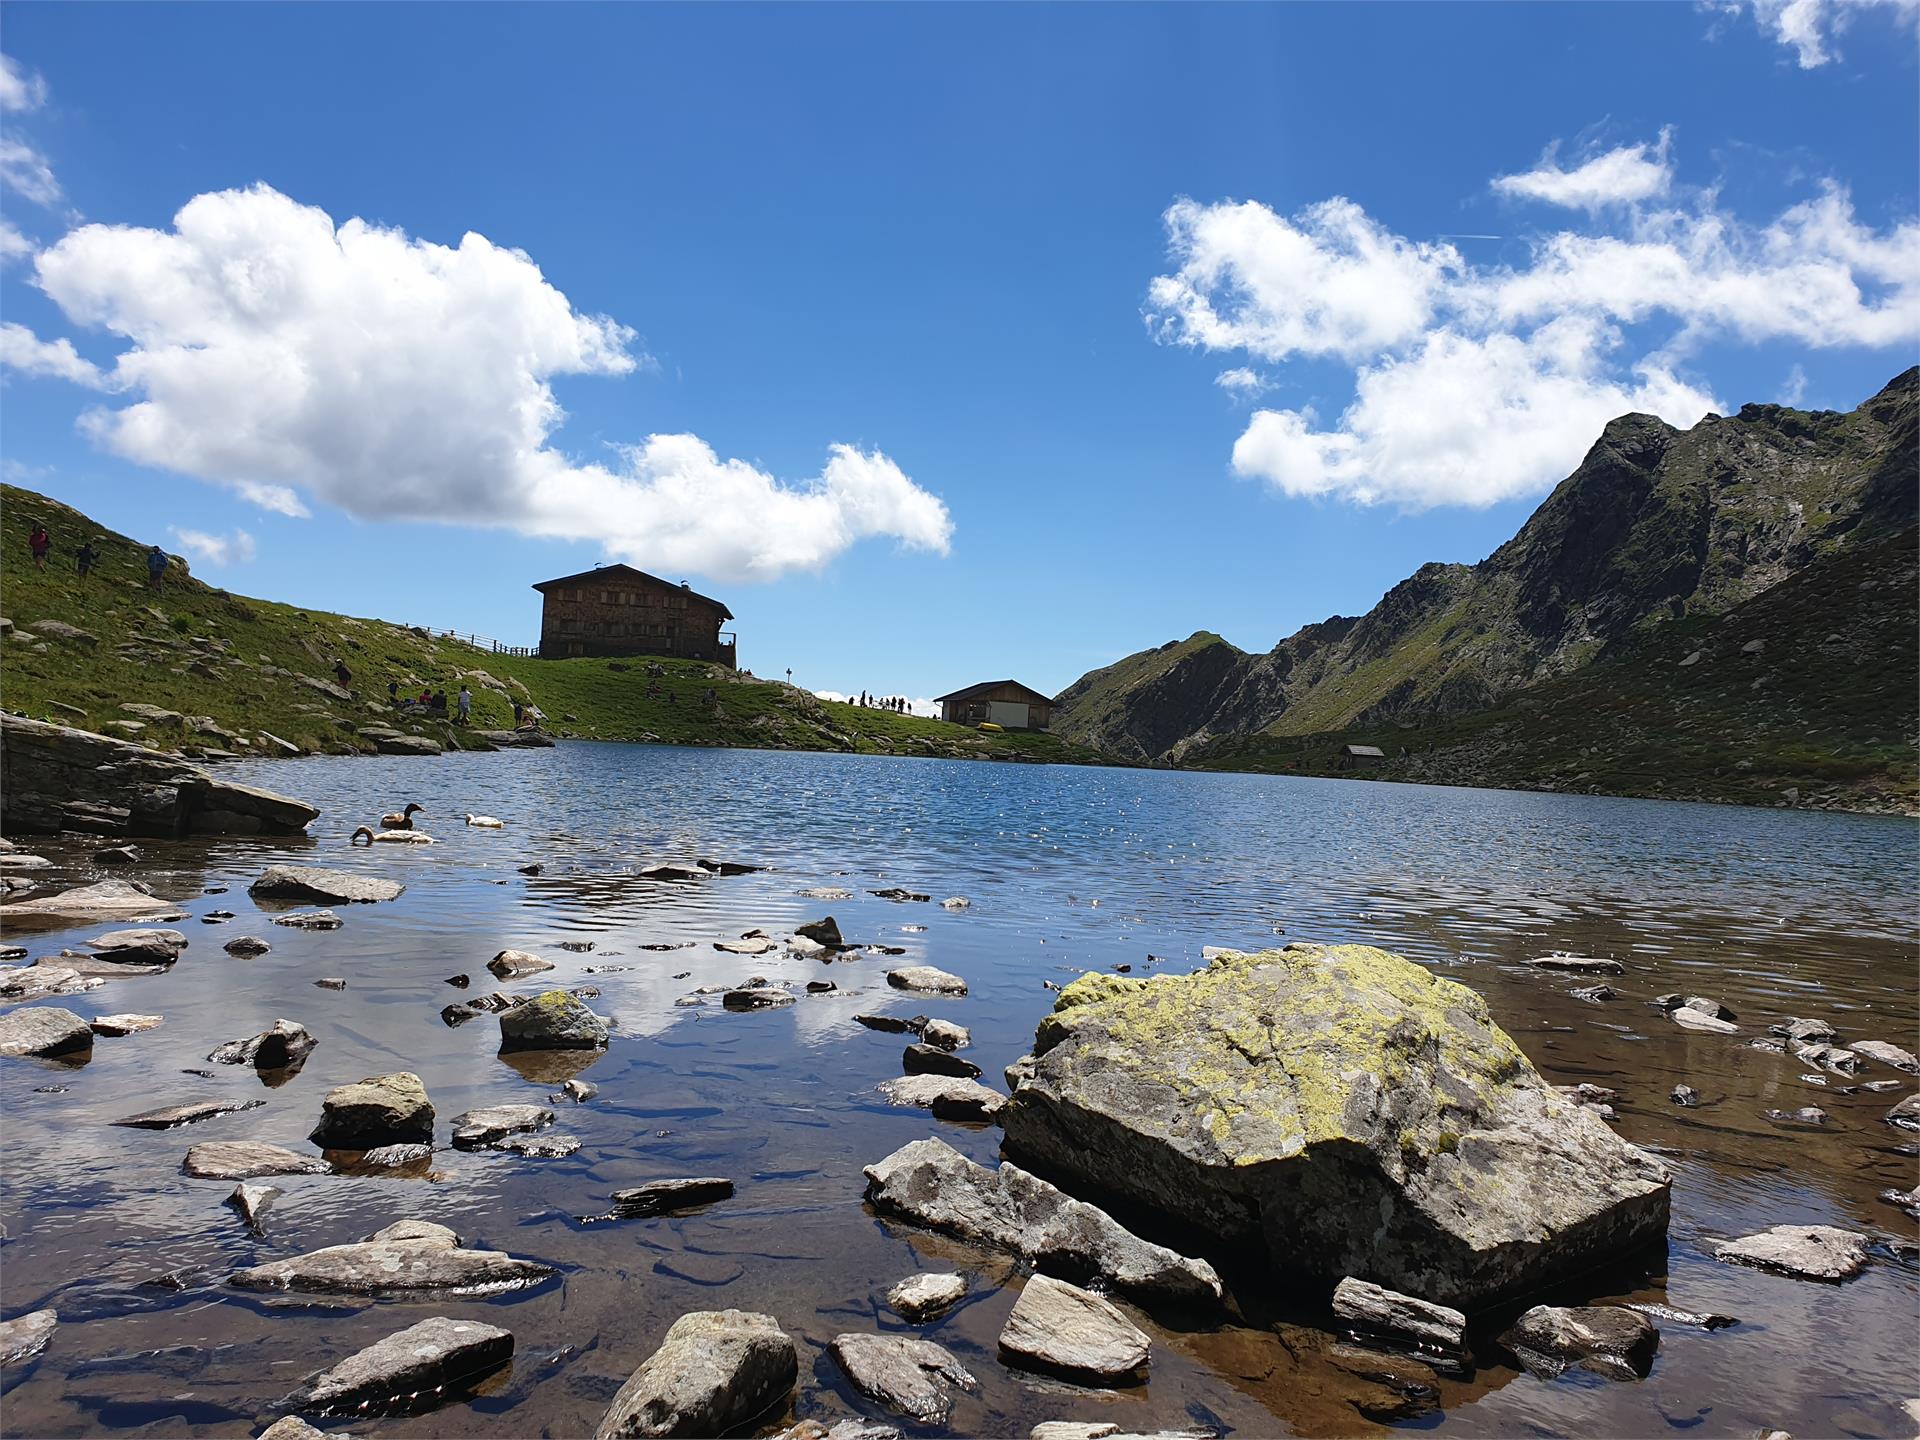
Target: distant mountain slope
[1656, 526]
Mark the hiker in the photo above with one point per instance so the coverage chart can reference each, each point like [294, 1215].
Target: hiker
[40, 542]
[156, 566]
[84, 557]
[343, 674]
[466, 706]
[519, 714]
[393, 692]
[438, 702]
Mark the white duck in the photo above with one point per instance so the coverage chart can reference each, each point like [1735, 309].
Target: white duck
[486, 822]
[390, 837]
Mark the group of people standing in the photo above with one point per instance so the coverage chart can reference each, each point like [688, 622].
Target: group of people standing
[434, 702]
[87, 554]
[895, 703]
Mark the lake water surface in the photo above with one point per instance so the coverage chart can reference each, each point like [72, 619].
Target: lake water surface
[1775, 913]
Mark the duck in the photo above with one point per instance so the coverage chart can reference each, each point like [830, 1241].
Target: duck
[402, 820]
[486, 822]
[390, 837]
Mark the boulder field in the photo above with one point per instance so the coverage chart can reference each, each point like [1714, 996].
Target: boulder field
[1340, 1108]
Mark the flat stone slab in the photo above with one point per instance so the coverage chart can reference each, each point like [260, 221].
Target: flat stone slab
[44, 1030]
[43, 978]
[1374, 1310]
[411, 1256]
[115, 1026]
[141, 946]
[103, 900]
[715, 1370]
[478, 1129]
[192, 1112]
[303, 920]
[25, 1336]
[932, 1184]
[927, 979]
[947, 1096]
[247, 1160]
[326, 887]
[660, 1197]
[1692, 1019]
[1064, 1330]
[1579, 964]
[1886, 1053]
[925, 1059]
[921, 1297]
[907, 1375]
[1806, 1252]
[435, 1355]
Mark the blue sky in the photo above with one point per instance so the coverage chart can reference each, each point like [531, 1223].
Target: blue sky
[1003, 257]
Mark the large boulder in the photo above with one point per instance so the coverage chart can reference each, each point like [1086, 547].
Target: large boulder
[934, 1185]
[380, 1110]
[716, 1370]
[46, 1031]
[1342, 1108]
[553, 1021]
[907, 1375]
[1068, 1331]
[326, 887]
[435, 1355]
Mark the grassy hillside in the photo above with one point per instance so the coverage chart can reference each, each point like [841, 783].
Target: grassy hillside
[254, 672]
[1804, 695]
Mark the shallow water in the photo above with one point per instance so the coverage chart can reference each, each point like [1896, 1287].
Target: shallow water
[1775, 913]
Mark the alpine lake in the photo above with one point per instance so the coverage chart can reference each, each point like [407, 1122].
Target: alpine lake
[1776, 913]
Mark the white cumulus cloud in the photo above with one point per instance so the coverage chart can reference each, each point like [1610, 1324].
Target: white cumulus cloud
[284, 356]
[1243, 382]
[215, 550]
[13, 245]
[1477, 383]
[1622, 176]
[25, 170]
[20, 88]
[1809, 27]
[22, 350]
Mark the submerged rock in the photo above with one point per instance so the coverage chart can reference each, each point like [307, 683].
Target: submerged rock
[379, 1110]
[926, 978]
[285, 1045]
[25, 1336]
[116, 1026]
[510, 964]
[552, 1021]
[1610, 1339]
[328, 887]
[946, 1096]
[253, 1201]
[1579, 964]
[413, 1255]
[1804, 1032]
[103, 900]
[1684, 1095]
[1373, 1310]
[907, 1375]
[921, 1297]
[932, 1184]
[715, 1370]
[44, 1030]
[895, 892]
[1692, 1019]
[925, 1059]
[479, 1129]
[434, 1355]
[306, 920]
[1352, 1112]
[1905, 1115]
[1806, 1252]
[43, 978]
[1889, 1054]
[1064, 1330]
[822, 932]
[248, 946]
[247, 1160]
[660, 1197]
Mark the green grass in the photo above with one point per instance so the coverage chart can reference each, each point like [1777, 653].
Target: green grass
[145, 647]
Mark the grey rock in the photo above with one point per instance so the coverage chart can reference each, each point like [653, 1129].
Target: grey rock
[926, 978]
[285, 1045]
[946, 1035]
[247, 1160]
[1579, 964]
[932, 1184]
[115, 1026]
[822, 932]
[25, 1336]
[1807, 1116]
[756, 997]
[252, 1201]
[896, 892]
[1698, 1320]
[660, 1197]
[138, 947]
[956, 902]
[1888, 1054]
[1610, 1339]
[43, 978]
[553, 1021]
[1064, 1330]
[409, 1257]
[1692, 1019]
[1907, 1200]
[715, 1370]
[907, 1375]
[826, 892]
[44, 1030]
[379, 1110]
[327, 887]
[393, 1157]
[248, 946]
[435, 1355]
[292, 1427]
[478, 1129]
[921, 1297]
[757, 945]
[331, 983]
[1804, 1032]
[946, 1096]
[1906, 1115]
[1596, 994]
[104, 900]
[839, 1430]
[551, 1146]
[892, 1024]
[579, 1091]
[509, 964]
[188, 1114]
[1806, 1252]
[1374, 1310]
[1387, 1128]
[307, 920]
[925, 1059]
[1684, 1095]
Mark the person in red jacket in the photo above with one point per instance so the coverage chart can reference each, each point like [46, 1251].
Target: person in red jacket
[40, 542]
